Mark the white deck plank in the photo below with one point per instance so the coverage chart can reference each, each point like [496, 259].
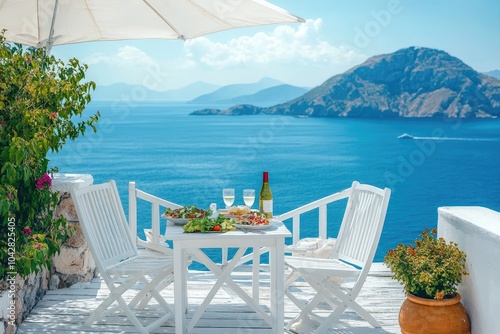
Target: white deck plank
[63, 311]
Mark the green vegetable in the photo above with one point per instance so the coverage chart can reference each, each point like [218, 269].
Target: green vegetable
[207, 225]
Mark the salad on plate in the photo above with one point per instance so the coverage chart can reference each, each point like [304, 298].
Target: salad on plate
[203, 225]
[187, 212]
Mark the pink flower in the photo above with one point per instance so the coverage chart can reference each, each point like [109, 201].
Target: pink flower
[27, 230]
[54, 115]
[38, 245]
[10, 196]
[44, 182]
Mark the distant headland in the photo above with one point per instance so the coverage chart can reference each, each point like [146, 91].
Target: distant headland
[412, 82]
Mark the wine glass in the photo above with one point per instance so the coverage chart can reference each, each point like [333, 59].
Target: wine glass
[228, 196]
[249, 197]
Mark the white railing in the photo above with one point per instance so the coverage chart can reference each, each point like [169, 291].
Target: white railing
[157, 203]
[157, 242]
[321, 205]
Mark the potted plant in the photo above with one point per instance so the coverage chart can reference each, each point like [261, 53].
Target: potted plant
[430, 271]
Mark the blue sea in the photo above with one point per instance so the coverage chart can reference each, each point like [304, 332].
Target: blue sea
[189, 159]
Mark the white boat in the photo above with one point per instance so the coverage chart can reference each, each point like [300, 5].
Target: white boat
[405, 136]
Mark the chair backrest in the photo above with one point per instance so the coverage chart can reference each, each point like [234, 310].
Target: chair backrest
[362, 224]
[104, 224]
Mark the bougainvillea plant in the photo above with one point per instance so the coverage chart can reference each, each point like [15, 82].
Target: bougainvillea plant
[41, 101]
[431, 268]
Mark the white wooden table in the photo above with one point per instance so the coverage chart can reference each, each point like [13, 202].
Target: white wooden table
[192, 243]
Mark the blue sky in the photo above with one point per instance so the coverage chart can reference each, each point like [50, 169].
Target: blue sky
[338, 35]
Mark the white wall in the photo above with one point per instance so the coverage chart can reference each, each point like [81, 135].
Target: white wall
[477, 232]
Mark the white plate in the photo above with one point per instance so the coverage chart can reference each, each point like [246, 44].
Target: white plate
[272, 222]
[177, 221]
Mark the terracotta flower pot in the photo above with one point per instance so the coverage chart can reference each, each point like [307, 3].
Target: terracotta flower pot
[433, 316]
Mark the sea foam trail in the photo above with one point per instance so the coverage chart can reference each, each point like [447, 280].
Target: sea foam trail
[449, 138]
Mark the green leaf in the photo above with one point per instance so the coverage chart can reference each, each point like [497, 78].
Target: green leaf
[19, 157]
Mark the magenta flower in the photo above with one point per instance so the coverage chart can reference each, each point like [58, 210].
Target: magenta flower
[27, 230]
[44, 182]
[10, 196]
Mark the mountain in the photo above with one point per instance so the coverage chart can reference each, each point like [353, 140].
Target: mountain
[233, 91]
[412, 82]
[121, 91]
[191, 91]
[269, 96]
[494, 74]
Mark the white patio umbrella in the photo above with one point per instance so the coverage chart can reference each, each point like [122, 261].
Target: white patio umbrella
[43, 23]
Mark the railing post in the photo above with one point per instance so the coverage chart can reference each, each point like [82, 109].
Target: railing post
[322, 228]
[296, 229]
[132, 211]
[155, 222]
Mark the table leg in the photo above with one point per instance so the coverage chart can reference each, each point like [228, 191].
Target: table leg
[256, 274]
[277, 267]
[180, 289]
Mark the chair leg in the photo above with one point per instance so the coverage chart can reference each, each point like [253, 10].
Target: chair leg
[343, 301]
[331, 319]
[97, 315]
[364, 314]
[146, 293]
[333, 295]
[149, 289]
[307, 309]
[103, 309]
[131, 316]
[145, 301]
[158, 283]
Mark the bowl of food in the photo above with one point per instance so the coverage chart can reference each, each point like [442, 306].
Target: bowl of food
[236, 211]
[181, 216]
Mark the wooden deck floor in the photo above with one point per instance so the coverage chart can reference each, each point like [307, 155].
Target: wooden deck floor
[63, 311]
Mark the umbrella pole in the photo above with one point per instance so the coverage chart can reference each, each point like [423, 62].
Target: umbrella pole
[50, 41]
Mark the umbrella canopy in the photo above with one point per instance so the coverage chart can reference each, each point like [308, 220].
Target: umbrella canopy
[43, 23]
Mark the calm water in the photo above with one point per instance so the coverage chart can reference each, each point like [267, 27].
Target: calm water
[189, 159]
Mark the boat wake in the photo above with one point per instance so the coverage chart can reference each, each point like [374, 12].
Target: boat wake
[456, 138]
[408, 136]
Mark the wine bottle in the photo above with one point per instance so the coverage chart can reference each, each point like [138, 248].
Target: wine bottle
[266, 197]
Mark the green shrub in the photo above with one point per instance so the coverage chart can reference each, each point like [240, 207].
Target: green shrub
[431, 268]
[40, 99]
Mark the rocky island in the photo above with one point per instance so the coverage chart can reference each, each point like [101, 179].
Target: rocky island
[412, 82]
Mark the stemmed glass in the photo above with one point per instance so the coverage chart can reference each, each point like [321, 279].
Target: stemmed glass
[228, 196]
[249, 197]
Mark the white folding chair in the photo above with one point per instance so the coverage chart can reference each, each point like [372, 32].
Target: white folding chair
[120, 264]
[353, 255]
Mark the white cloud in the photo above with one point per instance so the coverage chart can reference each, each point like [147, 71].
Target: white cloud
[124, 56]
[299, 44]
[130, 65]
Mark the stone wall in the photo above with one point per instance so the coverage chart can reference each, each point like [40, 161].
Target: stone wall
[73, 264]
[28, 293]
